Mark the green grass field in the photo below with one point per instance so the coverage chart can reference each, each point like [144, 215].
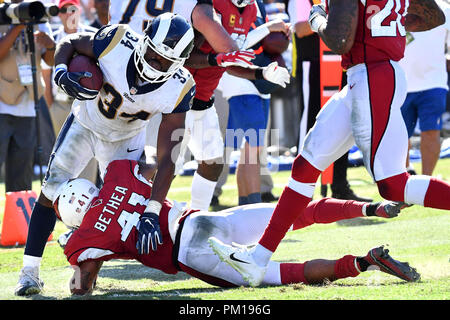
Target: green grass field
[420, 236]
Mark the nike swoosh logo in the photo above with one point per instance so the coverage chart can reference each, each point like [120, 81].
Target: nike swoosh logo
[232, 257]
[351, 86]
[128, 150]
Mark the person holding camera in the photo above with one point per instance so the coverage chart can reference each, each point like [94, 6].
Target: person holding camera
[17, 107]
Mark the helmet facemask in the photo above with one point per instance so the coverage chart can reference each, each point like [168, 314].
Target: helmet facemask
[145, 70]
[171, 37]
[242, 3]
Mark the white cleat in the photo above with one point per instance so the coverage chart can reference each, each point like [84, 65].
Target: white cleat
[240, 259]
[29, 282]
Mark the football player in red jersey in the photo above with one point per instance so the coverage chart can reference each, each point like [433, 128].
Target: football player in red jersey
[224, 27]
[105, 228]
[370, 36]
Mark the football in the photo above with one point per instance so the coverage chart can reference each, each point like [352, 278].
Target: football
[275, 43]
[82, 63]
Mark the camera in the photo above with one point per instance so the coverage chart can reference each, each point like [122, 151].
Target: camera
[26, 12]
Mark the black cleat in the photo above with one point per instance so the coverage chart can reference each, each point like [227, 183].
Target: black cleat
[380, 258]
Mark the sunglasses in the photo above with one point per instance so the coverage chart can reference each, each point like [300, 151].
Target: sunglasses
[71, 9]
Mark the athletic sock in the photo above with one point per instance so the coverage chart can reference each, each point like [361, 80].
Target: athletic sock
[370, 209]
[294, 199]
[254, 197]
[362, 264]
[242, 200]
[437, 195]
[292, 273]
[346, 267]
[328, 210]
[30, 261]
[202, 191]
[42, 223]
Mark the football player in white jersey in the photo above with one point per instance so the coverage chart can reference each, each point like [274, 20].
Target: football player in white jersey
[203, 135]
[143, 75]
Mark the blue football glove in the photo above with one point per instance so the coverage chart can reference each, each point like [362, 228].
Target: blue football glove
[69, 82]
[149, 233]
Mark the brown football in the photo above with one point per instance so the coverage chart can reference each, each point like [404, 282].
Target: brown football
[275, 43]
[82, 63]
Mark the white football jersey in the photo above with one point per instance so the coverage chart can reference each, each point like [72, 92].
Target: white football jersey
[137, 13]
[123, 107]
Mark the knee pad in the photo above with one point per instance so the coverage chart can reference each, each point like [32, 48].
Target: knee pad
[393, 188]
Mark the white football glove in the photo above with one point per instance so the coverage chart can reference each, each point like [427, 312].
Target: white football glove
[317, 16]
[276, 74]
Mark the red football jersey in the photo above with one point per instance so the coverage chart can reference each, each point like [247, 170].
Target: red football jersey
[108, 230]
[380, 34]
[238, 25]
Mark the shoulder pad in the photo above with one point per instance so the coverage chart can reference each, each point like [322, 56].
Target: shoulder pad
[107, 38]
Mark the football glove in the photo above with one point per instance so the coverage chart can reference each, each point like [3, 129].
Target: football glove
[236, 59]
[149, 233]
[317, 16]
[69, 82]
[276, 74]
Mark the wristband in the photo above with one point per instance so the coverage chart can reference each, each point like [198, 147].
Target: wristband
[212, 59]
[60, 66]
[52, 48]
[153, 206]
[259, 74]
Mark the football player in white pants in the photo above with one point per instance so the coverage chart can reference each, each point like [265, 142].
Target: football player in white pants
[105, 228]
[365, 112]
[143, 75]
[203, 136]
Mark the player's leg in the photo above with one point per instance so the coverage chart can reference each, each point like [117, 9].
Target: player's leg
[131, 149]
[243, 224]
[72, 151]
[329, 210]
[206, 144]
[385, 144]
[328, 140]
[318, 271]
[432, 105]
[247, 120]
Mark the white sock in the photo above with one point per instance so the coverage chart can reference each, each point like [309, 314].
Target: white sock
[202, 191]
[31, 261]
[261, 255]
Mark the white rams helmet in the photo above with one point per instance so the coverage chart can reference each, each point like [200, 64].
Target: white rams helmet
[172, 37]
[242, 3]
[73, 199]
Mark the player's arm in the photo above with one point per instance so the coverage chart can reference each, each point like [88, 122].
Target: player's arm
[206, 21]
[69, 82]
[165, 156]
[208, 27]
[81, 43]
[148, 227]
[339, 28]
[423, 15]
[273, 73]
[84, 277]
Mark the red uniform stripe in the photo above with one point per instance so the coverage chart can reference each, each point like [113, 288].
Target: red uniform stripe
[381, 80]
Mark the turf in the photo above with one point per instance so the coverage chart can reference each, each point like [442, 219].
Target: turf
[419, 235]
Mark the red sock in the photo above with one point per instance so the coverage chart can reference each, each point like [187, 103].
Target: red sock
[287, 210]
[290, 205]
[437, 195]
[292, 273]
[328, 210]
[345, 267]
